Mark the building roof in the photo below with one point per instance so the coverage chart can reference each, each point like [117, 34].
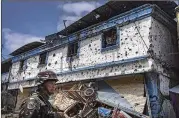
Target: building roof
[26, 48]
[114, 8]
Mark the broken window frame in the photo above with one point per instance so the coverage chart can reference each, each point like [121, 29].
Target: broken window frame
[44, 62]
[112, 46]
[23, 65]
[75, 52]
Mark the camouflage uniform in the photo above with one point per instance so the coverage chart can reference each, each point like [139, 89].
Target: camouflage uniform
[37, 105]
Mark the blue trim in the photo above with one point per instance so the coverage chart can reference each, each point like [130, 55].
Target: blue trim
[122, 19]
[102, 65]
[25, 80]
[92, 67]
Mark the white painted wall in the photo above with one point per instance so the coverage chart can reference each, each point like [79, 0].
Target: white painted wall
[29, 73]
[57, 59]
[131, 45]
[163, 42]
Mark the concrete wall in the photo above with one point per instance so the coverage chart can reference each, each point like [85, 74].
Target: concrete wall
[57, 59]
[158, 92]
[28, 73]
[130, 45]
[163, 43]
[132, 89]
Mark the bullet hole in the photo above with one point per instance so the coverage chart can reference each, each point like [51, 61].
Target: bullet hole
[49, 64]
[118, 56]
[23, 78]
[122, 96]
[151, 46]
[125, 38]
[136, 104]
[89, 45]
[136, 52]
[135, 69]
[136, 33]
[54, 55]
[122, 43]
[140, 66]
[82, 73]
[129, 49]
[74, 67]
[29, 73]
[55, 62]
[126, 53]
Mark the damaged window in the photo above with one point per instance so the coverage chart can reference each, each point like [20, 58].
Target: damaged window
[73, 49]
[109, 38]
[22, 65]
[42, 58]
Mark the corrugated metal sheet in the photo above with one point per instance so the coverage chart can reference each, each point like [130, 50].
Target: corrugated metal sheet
[109, 96]
[175, 89]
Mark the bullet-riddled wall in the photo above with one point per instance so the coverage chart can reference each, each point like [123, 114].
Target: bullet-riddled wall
[128, 57]
[130, 48]
[163, 43]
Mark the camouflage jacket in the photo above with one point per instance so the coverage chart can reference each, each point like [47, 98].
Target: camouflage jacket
[37, 106]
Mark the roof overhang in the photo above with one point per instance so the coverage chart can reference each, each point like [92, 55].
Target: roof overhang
[113, 8]
[26, 48]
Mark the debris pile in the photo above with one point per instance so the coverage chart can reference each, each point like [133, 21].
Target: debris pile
[84, 103]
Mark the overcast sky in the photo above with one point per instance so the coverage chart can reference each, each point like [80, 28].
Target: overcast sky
[25, 22]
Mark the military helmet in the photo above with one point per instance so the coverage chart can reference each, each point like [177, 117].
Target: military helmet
[46, 75]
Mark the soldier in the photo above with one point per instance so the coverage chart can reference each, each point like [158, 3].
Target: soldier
[37, 105]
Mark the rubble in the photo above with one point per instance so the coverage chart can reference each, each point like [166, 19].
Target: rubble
[81, 102]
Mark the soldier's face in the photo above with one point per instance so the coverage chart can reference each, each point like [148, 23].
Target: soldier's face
[50, 86]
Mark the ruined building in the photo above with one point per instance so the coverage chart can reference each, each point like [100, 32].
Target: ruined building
[127, 49]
